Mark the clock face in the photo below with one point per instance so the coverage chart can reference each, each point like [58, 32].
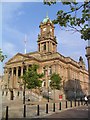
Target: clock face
[44, 29]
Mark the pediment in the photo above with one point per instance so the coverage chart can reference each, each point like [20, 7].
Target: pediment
[16, 58]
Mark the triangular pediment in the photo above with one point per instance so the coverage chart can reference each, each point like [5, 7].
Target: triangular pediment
[16, 58]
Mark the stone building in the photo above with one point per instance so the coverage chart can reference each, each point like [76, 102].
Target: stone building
[74, 74]
[1, 77]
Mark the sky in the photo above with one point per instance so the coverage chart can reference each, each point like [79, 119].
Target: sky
[18, 19]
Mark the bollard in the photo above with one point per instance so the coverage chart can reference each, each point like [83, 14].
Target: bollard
[70, 103]
[60, 106]
[81, 102]
[37, 110]
[6, 113]
[75, 102]
[66, 104]
[53, 107]
[46, 108]
[24, 114]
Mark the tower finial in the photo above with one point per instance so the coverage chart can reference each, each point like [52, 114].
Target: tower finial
[25, 42]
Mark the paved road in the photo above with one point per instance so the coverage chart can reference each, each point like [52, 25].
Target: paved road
[78, 112]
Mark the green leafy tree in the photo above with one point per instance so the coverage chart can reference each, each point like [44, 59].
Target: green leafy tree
[31, 78]
[71, 19]
[2, 57]
[55, 82]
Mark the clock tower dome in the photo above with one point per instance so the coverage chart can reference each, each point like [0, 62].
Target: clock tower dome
[47, 42]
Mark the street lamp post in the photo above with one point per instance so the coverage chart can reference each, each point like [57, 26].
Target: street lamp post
[48, 93]
[47, 83]
[24, 87]
[24, 95]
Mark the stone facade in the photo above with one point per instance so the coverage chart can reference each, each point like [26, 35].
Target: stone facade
[74, 74]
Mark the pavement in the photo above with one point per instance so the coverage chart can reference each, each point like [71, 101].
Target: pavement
[15, 110]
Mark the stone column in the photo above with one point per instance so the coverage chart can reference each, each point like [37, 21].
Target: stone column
[6, 77]
[56, 68]
[66, 74]
[21, 73]
[50, 47]
[68, 71]
[12, 78]
[53, 68]
[17, 77]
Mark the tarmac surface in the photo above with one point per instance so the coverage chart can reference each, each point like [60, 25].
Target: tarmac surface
[78, 112]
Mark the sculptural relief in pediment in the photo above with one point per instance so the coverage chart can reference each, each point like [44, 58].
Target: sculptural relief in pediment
[16, 58]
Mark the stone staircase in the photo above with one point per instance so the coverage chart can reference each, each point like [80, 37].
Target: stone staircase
[31, 95]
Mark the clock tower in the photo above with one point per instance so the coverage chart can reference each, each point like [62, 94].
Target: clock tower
[47, 42]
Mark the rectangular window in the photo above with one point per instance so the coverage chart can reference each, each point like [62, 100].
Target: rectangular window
[19, 71]
[50, 70]
[14, 71]
[44, 47]
[44, 68]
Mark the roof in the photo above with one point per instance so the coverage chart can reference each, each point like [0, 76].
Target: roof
[46, 19]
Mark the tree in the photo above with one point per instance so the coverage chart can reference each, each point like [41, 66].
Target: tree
[71, 19]
[31, 78]
[2, 57]
[55, 82]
